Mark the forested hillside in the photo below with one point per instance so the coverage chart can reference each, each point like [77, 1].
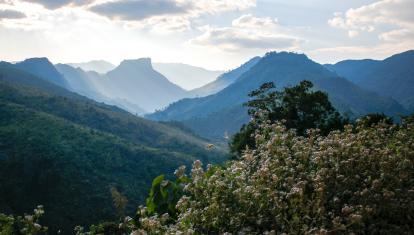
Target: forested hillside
[66, 152]
[299, 175]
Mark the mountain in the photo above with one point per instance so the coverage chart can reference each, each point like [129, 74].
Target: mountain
[91, 85]
[137, 82]
[78, 80]
[99, 66]
[186, 76]
[284, 69]
[43, 68]
[67, 152]
[223, 80]
[392, 77]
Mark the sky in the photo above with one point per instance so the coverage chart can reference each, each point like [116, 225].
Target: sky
[214, 34]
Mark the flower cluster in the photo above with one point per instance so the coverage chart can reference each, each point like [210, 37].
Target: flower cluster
[360, 180]
[27, 224]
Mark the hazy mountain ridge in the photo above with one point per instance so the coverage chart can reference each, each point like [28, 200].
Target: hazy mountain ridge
[284, 69]
[92, 85]
[133, 85]
[137, 81]
[223, 80]
[392, 77]
[186, 76]
[99, 66]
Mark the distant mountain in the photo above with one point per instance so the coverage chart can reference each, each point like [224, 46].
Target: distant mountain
[66, 152]
[284, 69]
[99, 66]
[137, 82]
[186, 76]
[392, 77]
[224, 80]
[92, 85]
[78, 80]
[43, 68]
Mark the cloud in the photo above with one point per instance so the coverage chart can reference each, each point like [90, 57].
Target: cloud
[247, 32]
[54, 4]
[11, 14]
[378, 16]
[137, 10]
[166, 15]
[397, 35]
[249, 21]
[353, 33]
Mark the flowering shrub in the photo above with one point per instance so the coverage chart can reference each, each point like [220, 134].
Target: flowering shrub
[28, 224]
[358, 181]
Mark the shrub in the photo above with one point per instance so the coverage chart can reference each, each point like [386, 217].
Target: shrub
[359, 181]
[27, 224]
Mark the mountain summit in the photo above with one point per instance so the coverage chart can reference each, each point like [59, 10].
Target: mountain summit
[136, 64]
[138, 82]
[43, 68]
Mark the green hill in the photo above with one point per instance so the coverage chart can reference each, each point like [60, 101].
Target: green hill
[64, 151]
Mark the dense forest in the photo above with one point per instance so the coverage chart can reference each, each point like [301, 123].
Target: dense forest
[298, 169]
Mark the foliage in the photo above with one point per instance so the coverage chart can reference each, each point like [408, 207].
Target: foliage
[165, 194]
[357, 181]
[370, 120]
[23, 225]
[299, 107]
[119, 200]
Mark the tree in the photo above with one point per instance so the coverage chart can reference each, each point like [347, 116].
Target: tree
[373, 119]
[120, 201]
[299, 107]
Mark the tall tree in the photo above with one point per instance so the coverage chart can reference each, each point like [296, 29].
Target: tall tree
[299, 107]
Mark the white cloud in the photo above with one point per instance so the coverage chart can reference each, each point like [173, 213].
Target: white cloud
[379, 17]
[247, 32]
[166, 15]
[353, 33]
[161, 16]
[249, 21]
[397, 35]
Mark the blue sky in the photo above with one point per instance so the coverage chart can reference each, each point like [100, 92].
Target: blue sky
[216, 34]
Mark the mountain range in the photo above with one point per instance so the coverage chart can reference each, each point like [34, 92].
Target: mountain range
[69, 134]
[133, 85]
[284, 69]
[355, 87]
[392, 77]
